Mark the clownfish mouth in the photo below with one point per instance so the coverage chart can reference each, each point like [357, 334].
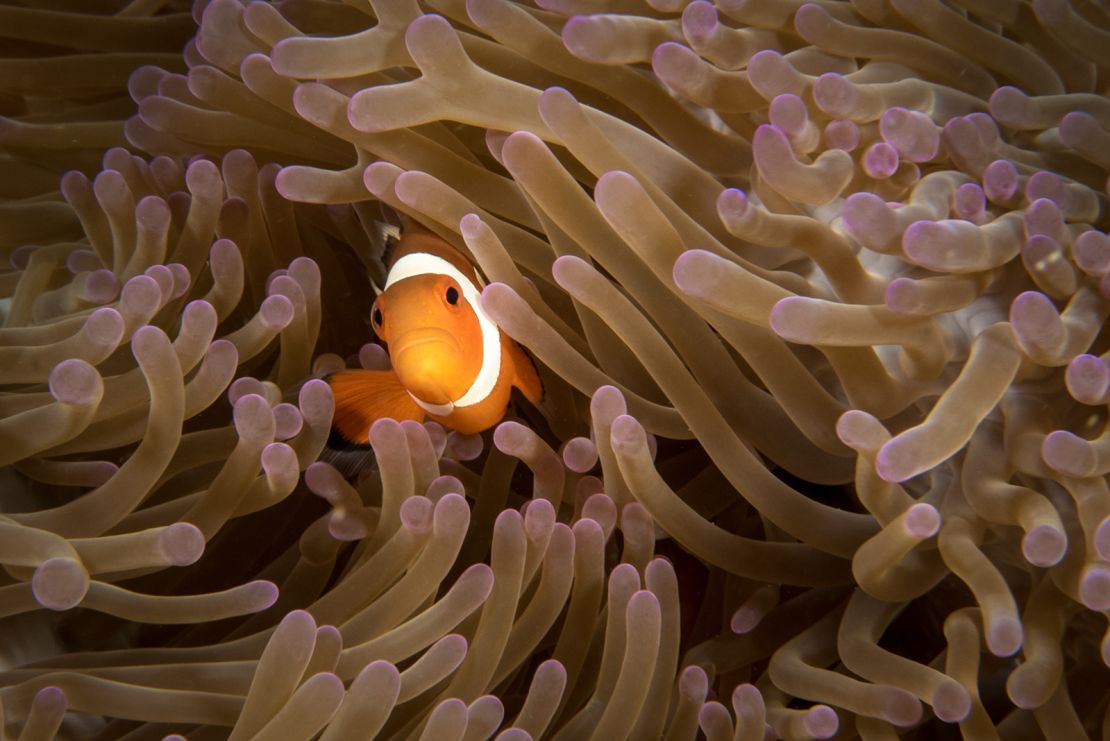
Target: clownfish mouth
[421, 357]
[416, 337]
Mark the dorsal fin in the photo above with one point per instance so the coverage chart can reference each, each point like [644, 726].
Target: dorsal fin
[416, 237]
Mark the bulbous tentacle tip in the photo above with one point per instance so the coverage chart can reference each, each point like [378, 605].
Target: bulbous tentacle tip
[1044, 545]
[59, 583]
[182, 543]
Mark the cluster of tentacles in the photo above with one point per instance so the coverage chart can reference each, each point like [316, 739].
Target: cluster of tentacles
[817, 291]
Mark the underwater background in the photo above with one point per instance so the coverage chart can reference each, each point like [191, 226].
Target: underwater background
[817, 293]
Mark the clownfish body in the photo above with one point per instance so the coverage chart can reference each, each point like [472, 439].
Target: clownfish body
[451, 363]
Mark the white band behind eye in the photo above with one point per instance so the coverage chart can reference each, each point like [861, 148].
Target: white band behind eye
[422, 263]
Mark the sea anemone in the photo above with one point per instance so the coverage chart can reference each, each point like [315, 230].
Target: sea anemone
[817, 292]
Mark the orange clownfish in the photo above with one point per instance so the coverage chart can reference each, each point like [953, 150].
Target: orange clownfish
[451, 363]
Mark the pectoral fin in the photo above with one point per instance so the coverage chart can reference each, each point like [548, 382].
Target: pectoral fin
[364, 396]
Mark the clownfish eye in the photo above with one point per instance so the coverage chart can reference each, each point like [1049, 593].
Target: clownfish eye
[452, 296]
[377, 316]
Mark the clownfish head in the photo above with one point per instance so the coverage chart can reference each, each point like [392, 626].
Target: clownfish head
[440, 342]
[434, 339]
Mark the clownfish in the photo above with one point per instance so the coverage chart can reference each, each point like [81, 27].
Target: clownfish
[450, 362]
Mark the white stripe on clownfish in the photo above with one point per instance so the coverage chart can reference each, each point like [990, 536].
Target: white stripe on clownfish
[423, 263]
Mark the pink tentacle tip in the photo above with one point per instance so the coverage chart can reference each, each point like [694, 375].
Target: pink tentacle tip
[373, 356]
[1000, 181]
[821, 721]
[745, 619]
[643, 600]
[897, 459]
[279, 461]
[146, 340]
[1005, 635]
[1044, 545]
[59, 583]
[198, 314]
[322, 479]
[857, 429]
[842, 134]
[788, 113]
[100, 472]
[82, 260]
[511, 437]
[1102, 538]
[931, 244]
[585, 37]
[600, 508]
[607, 402]
[287, 420]
[911, 133]
[614, 187]
[693, 682]
[951, 702]
[202, 175]
[152, 213]
[1092, 252]
[182, 543]
[901, 295]
[1094, 587]
[514, 734]
[111, 188]
[471, 226]
[1043, 217]
[100, 286]
[479, 578]
[579, 454]
[1047, 185]
[732, 204]
[1010, 106]
[693, 269]
[464, 447]
[140, 296]
[1079, 130]
[1068, 453]
[164, 278]
[869, 218]
[224, 254]
[626, 434]
[182, 279]
[922, 520]
[417, 513]
[539, 519]
[252, 417]
[75, 382]
[276, 313]
[50, 701]
[699, 20]
[442, 485]
[969, 202]
[259, 595]
[746, 696]
[452, 513]
[508, 518]
[880, 160]
[675, 64]
[789, 317]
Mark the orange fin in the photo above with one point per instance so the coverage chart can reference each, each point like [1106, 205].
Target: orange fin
[525, 376]
[364, 396]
